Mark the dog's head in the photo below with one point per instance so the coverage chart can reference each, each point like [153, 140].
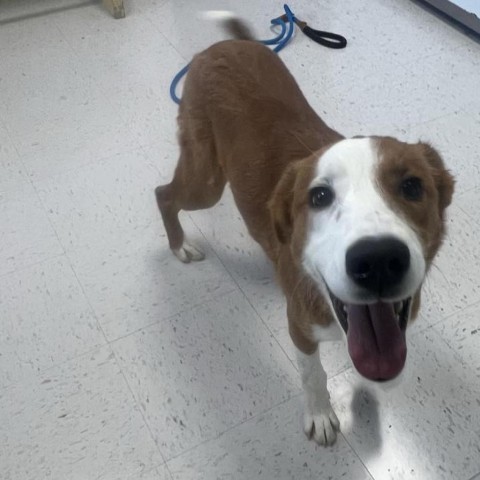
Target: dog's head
[365, 217]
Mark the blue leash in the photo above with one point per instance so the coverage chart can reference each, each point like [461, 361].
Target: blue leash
[176, 79]
[327, 39]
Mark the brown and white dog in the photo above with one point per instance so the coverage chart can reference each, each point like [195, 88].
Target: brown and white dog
[351, 224]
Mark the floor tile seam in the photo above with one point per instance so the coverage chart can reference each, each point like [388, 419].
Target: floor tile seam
[458, 109]
[444, 319]
[232, 427]
[343, 370]
[162, 33]
[63, 254]
[213, 439]
[456, 356]
[399, 127]
[45, 371]
[101, 88]
[46, 13]
[153, 164]
[411, 62]
[111, 344]
[71, 250]
[472, 218]
[79, 284]
[263, 412]
[25, 171]
[155, 469]
[41, 179]
[357, 454]
[47, 215]
[450, 106]
[72, 51]
[435, 326]
[168, 459]
[35, 180]
[139, 408]
[434, 266]
[252, 418]
[435, 118]
[191, 308]
[258, 316]
[118, 366]
[29, 266]
[464, 193]
[87, 299]
[167, 467]
[70, 264]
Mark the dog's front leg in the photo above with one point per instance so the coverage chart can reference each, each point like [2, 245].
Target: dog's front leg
[320, 420]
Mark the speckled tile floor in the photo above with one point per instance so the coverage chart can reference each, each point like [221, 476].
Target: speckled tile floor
[117, 361]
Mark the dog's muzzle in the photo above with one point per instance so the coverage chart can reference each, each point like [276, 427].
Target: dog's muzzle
[376, 330]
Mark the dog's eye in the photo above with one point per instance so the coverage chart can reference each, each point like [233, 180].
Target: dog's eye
[412, 189]
[321, 197]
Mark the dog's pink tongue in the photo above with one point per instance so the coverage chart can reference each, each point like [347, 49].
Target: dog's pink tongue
[375, 341]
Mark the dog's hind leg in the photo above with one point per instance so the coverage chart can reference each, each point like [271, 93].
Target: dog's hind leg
[198, 183]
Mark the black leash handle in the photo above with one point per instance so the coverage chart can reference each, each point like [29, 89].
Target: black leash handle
[327, 39]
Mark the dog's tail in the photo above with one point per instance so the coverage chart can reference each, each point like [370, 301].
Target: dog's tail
[235, 27]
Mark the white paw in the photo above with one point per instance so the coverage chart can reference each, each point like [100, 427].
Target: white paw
[322, 426]
[188, 252]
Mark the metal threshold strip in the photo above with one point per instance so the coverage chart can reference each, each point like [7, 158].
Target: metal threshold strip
[465, 12]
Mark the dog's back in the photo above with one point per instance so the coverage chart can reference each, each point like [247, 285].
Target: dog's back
[242, 106]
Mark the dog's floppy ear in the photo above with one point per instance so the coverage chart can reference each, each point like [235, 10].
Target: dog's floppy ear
[443, 179]
[281, 202]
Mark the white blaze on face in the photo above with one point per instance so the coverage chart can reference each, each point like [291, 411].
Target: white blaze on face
[358, 210]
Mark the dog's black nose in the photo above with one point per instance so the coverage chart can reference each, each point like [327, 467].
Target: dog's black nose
[377, 263]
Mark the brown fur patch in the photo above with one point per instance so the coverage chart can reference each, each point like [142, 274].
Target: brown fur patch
[289, 212]
[400, 161]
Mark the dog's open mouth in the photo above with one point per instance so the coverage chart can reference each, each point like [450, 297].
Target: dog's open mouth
[375, 336]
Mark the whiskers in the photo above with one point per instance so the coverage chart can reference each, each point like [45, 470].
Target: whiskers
[437, 268]
[299, 140]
